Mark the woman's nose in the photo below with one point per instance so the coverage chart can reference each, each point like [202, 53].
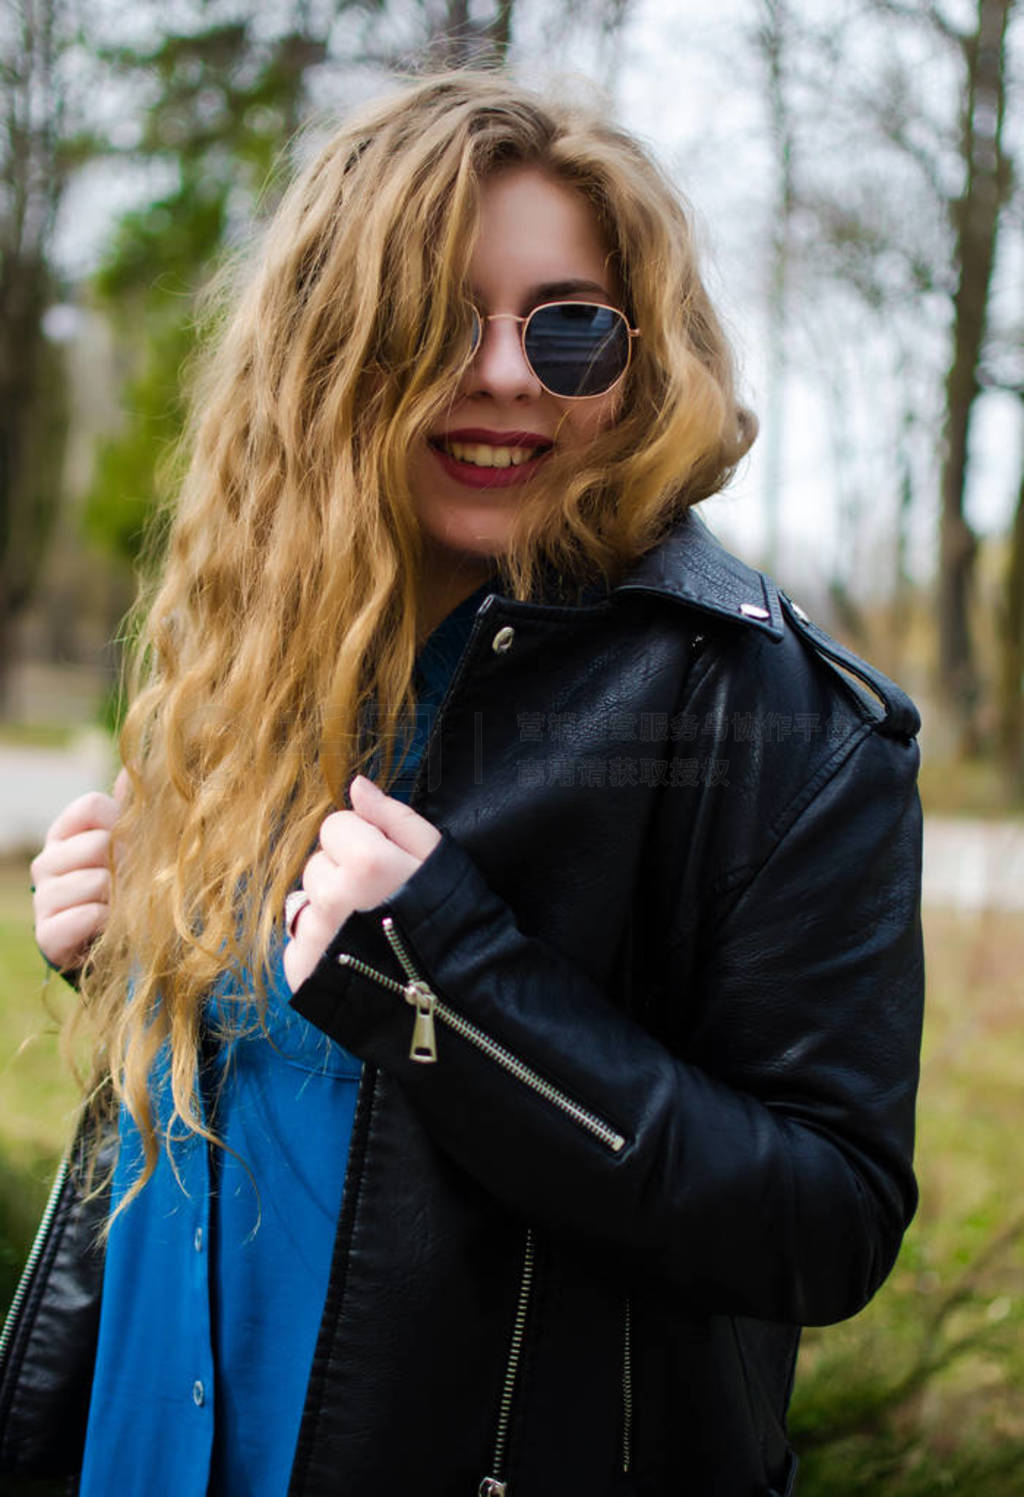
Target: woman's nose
[499, 365]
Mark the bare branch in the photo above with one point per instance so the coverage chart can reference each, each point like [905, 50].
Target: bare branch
[927, 14]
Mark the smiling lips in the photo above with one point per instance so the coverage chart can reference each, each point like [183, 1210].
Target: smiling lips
[490, 459]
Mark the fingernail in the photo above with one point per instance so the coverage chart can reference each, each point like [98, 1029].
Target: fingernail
[362, 779]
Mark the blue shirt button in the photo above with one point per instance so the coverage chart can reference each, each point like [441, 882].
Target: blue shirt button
[198, 1394]
[197, 1241]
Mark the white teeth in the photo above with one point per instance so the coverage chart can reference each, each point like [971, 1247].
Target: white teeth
[482, 455]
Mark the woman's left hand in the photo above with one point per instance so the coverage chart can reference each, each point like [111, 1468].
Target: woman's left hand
[364, 855]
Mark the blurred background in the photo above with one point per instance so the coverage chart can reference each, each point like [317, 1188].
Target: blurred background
[856, 171]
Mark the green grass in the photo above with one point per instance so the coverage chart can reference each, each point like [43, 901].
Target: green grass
[36, 1098]
[921, 1394]
[917, 1397]
[38, 735]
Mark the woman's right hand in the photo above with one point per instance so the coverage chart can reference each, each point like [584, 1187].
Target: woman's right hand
[71, 876]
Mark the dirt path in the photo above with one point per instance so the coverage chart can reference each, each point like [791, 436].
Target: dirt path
[36, 782]
[973, 864]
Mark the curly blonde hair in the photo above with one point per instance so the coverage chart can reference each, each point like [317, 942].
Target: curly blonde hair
[288, 598]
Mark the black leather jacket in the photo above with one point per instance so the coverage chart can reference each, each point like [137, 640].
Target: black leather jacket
[668, 957]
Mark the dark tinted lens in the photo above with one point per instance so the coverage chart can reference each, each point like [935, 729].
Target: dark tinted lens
[577, 348]
[476, 332]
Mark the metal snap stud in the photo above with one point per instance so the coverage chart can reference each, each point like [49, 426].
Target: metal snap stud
[752, 611]
[198, 1394]
[502, 641]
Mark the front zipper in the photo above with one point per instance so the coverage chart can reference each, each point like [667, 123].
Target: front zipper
[627, 1390]
[42, 1232]
[495, 1485]
[418, 993]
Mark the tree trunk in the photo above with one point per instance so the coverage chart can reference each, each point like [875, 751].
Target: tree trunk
[501, 27]
[1011, 675]
[976, 215]
[773, 38]
[901, 585]
[460, 43]
[31, 372]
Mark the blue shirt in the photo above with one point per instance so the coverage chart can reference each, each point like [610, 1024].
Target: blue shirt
[216, 1274]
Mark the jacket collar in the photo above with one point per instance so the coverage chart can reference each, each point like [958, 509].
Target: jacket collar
[690, 565]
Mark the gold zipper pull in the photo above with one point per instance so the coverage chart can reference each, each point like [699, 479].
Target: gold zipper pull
[424, 1042]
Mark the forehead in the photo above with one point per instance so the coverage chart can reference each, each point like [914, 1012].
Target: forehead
[535, 230]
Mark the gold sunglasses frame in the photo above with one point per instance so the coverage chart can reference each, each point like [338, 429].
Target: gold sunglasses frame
[480, 319]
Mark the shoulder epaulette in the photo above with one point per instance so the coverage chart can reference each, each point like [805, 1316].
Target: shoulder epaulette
[900, 718]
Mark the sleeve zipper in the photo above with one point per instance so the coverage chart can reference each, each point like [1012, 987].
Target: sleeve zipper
[420, 996]
[35, 1253]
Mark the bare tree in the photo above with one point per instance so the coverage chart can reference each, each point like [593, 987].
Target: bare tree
[1011, 640]
[774, 41]
[457, 38]
[33, 169]
[913, 220]
[975, 216]
[475, 33]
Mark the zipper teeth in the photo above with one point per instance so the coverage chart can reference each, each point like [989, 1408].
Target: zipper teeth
[398, 947]
[526, 1074]
[494, 1484]
[42, 1232]
[515, 1351]
[344, 960]
[627, 1391]
[579, 1114]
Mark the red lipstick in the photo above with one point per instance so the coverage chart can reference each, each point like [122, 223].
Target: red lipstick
[475, 477]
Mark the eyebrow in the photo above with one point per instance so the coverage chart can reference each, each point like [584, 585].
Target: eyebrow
[552, 290]
[535, 296]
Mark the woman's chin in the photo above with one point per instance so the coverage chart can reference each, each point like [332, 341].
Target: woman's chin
[476, 530]
[462, 550]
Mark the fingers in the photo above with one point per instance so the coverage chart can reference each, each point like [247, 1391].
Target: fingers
[65, 938]
[345, 837]
[83, 850]
[327, 906]
[323, 880]
[81, 886]
[314, 931]
[398, 822]
[71, 877]
[299, 961]
[365, 855]
[353, 869]
[92, 811]
[71, 911]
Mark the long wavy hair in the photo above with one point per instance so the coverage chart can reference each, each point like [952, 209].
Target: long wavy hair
[287, 604]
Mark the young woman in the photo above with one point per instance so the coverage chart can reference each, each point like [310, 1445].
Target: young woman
[502, 953]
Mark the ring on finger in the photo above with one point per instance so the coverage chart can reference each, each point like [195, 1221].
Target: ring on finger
[294, 904]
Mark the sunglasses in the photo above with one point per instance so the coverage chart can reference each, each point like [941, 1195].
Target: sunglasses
[576, 349]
